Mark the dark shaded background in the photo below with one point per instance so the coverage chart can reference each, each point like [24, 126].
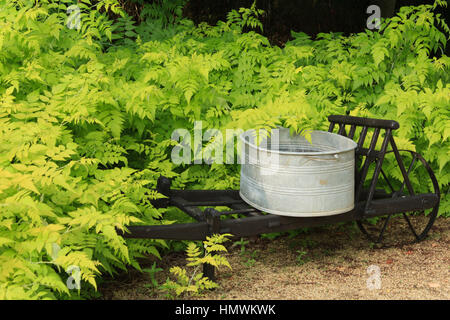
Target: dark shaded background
[309, 16]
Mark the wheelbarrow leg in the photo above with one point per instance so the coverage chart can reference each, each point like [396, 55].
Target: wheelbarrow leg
[213, 221]
[163, 187]
[208, 271]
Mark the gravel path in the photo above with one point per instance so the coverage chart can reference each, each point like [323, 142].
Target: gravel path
[332, 262]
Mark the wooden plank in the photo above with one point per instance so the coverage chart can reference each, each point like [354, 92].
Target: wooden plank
[179, 231]
[402, 204]
[244, 227]
[369, 122]
[206, 195]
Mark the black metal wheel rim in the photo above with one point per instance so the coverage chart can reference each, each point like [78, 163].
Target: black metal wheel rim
[412, 221]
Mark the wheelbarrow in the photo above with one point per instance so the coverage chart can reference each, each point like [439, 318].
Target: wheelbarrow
[370, 201]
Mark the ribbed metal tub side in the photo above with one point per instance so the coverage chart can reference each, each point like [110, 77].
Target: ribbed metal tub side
[295, 178]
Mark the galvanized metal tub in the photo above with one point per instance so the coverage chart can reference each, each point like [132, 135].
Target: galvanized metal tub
[286, 175]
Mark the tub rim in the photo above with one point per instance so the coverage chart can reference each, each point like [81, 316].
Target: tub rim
[353, 145]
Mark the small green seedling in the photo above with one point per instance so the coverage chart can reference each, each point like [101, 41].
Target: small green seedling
[241, 243]
[152, 271]
[300, 257]
[250, 262]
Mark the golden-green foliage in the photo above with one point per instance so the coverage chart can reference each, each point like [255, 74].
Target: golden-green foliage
[64, 179]
[194, 282]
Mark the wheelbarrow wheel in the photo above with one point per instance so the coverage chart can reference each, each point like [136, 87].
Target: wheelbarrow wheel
[407, 226]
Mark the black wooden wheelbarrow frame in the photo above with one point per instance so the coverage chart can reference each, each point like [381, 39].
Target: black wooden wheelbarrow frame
[369, 202]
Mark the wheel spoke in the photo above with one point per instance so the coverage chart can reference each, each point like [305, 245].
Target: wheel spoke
[410, 225]
[387, 181]
[407, 175]
[380, 237]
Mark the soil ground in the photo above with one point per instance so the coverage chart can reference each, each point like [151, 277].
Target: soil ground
[323, 263]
